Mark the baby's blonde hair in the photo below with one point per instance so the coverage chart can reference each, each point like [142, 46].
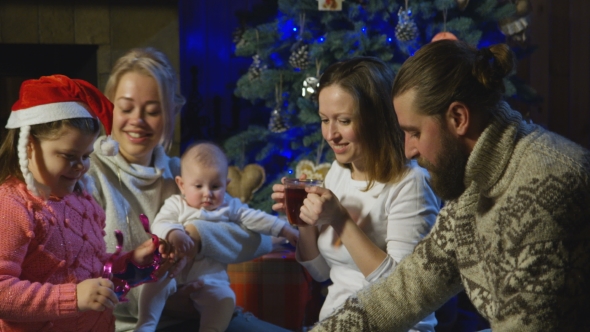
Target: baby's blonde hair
[205, 154]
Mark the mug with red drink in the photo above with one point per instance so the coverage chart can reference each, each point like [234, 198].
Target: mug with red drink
[294, 195]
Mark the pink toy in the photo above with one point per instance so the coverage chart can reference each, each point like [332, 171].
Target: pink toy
[131, 275]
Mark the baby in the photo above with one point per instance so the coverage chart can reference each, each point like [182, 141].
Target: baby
[203, 181]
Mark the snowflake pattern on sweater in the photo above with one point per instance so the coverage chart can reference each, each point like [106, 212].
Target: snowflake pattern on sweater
[517, 241]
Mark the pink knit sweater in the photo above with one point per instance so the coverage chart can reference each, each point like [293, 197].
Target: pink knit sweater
[46, 248]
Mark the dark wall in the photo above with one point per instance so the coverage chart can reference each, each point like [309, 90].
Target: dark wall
[559, 69]
[209, 70]
[19, 62]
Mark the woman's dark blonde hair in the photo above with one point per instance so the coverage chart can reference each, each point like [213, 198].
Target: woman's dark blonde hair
[446, 71]
[9, 160]
[153, 63]
[368, 80]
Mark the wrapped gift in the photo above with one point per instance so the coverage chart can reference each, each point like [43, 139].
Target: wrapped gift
[274, 287]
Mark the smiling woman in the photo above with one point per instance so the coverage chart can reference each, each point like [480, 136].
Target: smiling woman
[138, 180]
[337, 112]
[138, 120]
[376, 205]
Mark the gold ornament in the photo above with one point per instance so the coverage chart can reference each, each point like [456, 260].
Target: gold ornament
[244, 183]
[311, 170]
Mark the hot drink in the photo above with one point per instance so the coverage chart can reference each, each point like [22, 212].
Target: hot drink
[295, 194]
[293, 201]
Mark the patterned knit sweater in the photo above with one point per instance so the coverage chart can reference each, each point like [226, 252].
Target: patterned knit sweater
[517, 241]
[46, 248]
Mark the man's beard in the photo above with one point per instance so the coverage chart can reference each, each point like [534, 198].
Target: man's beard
[447, 178]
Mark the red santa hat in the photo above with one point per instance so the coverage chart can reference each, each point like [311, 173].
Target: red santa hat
[53, 98]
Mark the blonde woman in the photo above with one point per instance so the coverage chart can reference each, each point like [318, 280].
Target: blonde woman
[144, 91]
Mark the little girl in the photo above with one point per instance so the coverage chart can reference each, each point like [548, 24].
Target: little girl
[52, 251]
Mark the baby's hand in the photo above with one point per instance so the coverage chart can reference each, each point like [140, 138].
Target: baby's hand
[184, 247]
[290, 233]
[182, 243]
[95, 294]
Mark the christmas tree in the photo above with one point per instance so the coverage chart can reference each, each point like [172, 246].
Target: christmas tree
[290, 52]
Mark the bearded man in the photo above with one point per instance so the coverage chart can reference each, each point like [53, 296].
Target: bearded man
[515, 230]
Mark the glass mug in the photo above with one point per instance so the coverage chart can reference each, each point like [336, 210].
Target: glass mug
[294, 195]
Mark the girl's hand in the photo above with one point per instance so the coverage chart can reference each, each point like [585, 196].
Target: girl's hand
[95, 294]
[144, 253]
[171, 262]
[322, 207]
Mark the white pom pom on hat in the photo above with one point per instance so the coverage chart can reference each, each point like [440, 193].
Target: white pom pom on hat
[53, 98]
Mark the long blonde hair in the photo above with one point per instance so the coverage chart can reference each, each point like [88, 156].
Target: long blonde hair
[153, 63]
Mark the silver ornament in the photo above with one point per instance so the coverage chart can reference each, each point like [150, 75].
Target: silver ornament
[277, 124]
[406, 29]
[299, 58]
[256, 68]
[310, 87]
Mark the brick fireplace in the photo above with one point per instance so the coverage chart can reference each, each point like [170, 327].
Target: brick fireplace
[81, 39]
